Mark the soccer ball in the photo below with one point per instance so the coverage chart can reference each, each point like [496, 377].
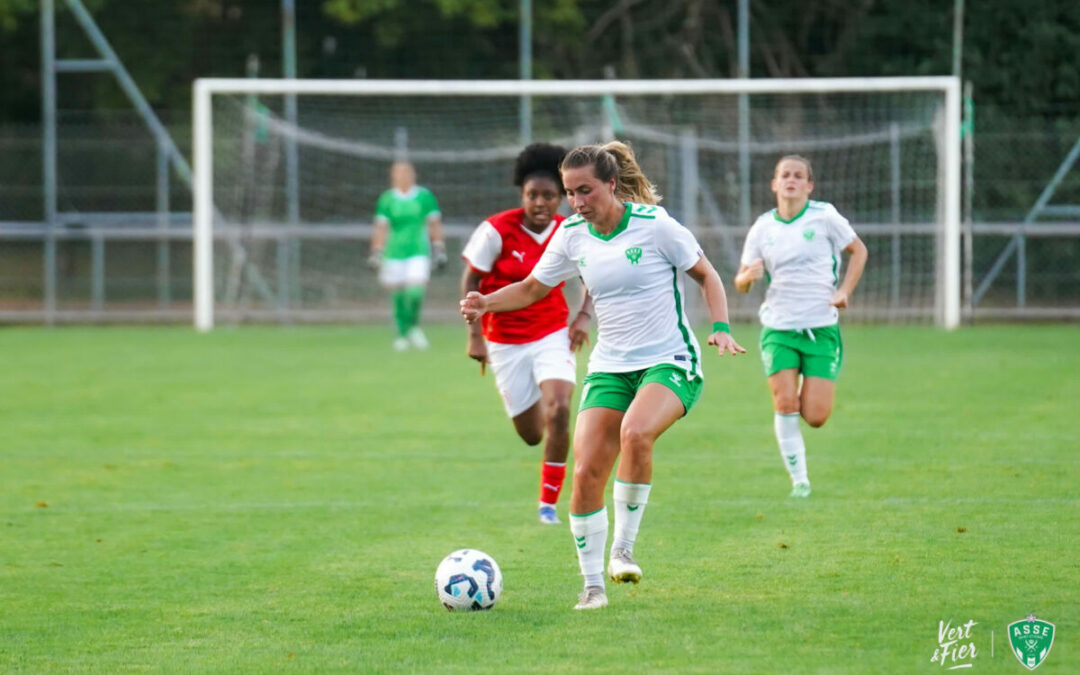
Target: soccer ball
[468, 580]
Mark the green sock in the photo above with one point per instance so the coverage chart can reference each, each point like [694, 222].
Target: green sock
[402, 313]
[414, 300]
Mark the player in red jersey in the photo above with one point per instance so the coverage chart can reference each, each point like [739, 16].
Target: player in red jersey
[531, 350]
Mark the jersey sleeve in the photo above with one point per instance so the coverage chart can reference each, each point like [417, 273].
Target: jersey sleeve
[555, 266]
[677, 244]
[840, 231]
[483, 247]
[752, 246]
[382, 208]
[431, 205]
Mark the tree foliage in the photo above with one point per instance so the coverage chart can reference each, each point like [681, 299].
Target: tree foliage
[1021, 55]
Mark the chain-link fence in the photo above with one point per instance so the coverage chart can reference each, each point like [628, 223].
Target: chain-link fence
[120, 249]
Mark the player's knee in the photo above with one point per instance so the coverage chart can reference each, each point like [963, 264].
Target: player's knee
[635, 439]
[557, 415]
[786, 404]
[816, 418]
[531, 436]
[588, 478]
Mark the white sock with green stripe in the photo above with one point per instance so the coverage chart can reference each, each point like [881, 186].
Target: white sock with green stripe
[590, 535]
[630, 501]
[792, 448]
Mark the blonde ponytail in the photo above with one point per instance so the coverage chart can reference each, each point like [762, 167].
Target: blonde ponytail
[632, 184]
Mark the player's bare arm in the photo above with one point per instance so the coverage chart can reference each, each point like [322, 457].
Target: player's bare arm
[476, 347]
[579, 327]
[712, 287]
[506, 299]
[856, 264]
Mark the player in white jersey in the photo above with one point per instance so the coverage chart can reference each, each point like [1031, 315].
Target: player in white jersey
[798, 245]
[645, 371]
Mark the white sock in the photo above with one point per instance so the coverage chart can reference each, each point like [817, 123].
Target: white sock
[590, 535]
[630, 501]
[792, 449]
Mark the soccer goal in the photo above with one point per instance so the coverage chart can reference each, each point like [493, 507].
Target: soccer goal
[287, 173]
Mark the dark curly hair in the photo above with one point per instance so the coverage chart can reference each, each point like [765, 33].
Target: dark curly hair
[539, 159]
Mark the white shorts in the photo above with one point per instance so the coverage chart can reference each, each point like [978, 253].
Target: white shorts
[519, 369]
[414, 271]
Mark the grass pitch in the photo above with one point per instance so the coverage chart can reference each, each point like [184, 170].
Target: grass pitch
[277, 499]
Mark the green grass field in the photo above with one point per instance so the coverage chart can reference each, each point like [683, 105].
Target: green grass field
[276, 500]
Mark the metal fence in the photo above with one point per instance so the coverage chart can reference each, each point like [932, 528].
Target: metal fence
[120, 249]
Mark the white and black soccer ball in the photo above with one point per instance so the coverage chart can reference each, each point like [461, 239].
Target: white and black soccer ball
[468, 580]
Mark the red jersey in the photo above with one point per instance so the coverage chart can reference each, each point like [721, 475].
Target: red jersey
[504, 251]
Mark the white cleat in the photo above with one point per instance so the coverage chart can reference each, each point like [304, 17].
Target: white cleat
[592, 597]
[622, 568]
[401, 344]
[417, 338]
[548, 516]
[800, 491]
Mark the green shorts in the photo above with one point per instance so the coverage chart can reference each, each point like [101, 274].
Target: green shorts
[617, 390]
[814, 352]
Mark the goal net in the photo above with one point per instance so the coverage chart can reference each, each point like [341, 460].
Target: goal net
[287, 174]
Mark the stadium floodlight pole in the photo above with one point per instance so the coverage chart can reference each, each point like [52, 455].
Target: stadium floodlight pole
[525, 57]
[292, 152]
[744, 114]
[947, 300]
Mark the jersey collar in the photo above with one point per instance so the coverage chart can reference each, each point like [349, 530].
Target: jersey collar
[618, 228]
[776, 214]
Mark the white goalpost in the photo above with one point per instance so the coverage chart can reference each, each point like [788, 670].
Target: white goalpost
[287, 243]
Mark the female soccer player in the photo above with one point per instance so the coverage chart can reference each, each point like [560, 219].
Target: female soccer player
[531, 350]
[798, 245]
[406, 216]
[645, 371]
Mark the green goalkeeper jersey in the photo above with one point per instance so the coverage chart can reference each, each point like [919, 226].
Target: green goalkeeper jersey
[406, 216]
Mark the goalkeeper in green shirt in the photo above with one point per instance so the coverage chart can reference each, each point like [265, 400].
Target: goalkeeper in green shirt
[406, 217]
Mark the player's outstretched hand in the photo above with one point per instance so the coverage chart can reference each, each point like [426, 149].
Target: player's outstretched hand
[839, 300]
[725, 343]
[579, 331]
[477, 350]
[438, 252]
[473, 306]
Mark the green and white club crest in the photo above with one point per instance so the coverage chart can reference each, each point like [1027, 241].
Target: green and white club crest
[1031, 640]
[633, 254]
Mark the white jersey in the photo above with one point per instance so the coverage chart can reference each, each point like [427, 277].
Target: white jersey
[802, 264]
[634, 276]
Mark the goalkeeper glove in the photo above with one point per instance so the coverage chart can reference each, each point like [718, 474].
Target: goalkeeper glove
[374, 260]
[438, 251]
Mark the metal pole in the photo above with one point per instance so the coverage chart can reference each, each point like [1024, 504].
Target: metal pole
[744, 114]
[48, 160]
[688, 153]
[292, 155]
[958, 37]
[525, 59]
[97, 272]
[894, 180]
[969, 196]
[127, 84]
[163, 225]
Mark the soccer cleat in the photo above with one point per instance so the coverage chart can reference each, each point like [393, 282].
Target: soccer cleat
[622, 568]
[548, 515]
[417, 338]
[801, 490]
[401, 344]
[592, 597]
